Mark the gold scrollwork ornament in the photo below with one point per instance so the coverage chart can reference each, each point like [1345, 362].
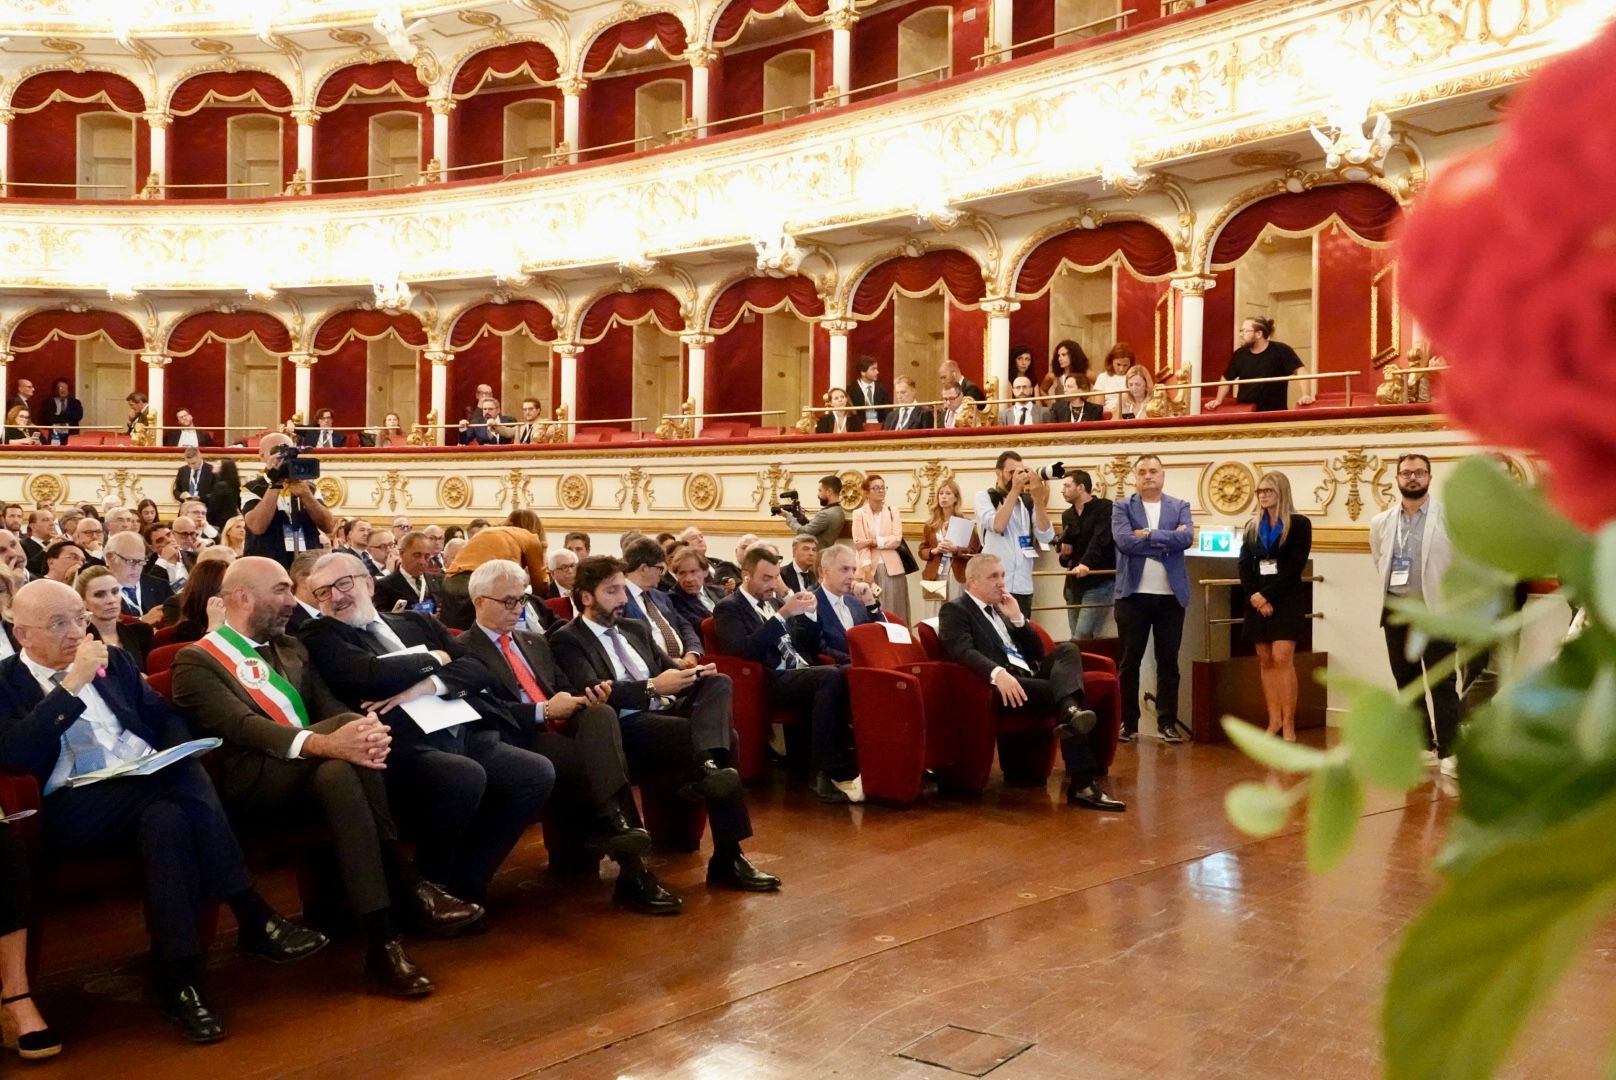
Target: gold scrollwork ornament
[852, 489]
[332, 492]
[1229, 488]
[702, 491]
[454, 492]
[574, 491]
[46, 488]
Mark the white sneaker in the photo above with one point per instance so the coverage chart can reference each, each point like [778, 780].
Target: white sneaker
[1428, 758]
[1450, 767]
[853, 789]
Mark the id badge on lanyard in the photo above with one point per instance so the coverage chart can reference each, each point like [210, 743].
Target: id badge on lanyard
[1267, 567]
[1401, 565]
[1026, 546]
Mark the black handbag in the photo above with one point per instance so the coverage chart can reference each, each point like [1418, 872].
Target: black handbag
[907, 558]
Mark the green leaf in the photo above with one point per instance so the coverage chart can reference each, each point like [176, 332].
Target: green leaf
[1604, 597]
[1596, 724]
[1271, 750]
[1333, 806]
[1459, 626]
[1384, 735]
[1487, 952]
[1493, 518]
[1258, 809]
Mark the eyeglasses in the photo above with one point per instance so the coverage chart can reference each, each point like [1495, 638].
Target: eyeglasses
[342, 585]
[1412, 474]
[509, 603]
[62, 623]
[126, 559]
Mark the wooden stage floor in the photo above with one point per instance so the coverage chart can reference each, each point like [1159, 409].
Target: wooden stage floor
[1159, 943]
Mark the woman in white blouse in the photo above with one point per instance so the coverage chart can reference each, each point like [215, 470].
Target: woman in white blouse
[1113, 381]
[877, 534]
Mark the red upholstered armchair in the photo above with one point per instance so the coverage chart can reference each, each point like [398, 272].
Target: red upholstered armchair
[911, 714]
[752, 716]
[1102, 692]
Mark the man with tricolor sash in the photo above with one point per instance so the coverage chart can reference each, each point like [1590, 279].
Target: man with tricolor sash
[294, 752]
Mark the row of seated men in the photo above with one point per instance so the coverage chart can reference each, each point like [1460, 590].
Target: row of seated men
[387, 727]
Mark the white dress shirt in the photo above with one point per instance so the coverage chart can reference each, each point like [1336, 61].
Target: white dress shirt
[1153, 578]
[110, 735]
[1017, 566]
[1011, 649]
[870, 415]
[639, 672]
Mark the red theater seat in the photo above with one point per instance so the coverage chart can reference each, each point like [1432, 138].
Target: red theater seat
[752, 717]
[161, 658]
[560, 605]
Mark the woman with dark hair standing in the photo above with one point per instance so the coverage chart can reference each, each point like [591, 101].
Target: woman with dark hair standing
[224, 501]
[1273, 555]
[1021, 364]
[1067, 359]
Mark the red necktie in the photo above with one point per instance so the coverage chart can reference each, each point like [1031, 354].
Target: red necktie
[530, 685]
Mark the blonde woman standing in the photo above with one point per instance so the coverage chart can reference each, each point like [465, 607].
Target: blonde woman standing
[1273, 557]
[877, 538]
[935, 546]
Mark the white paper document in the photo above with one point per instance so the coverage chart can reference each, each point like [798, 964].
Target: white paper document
[434, 713]
[960, 530]
[404, 652]
[897, 633]
[145, 766]
[18, 816]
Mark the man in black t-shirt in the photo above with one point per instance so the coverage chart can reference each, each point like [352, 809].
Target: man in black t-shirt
[285, 519]
[1260, 358]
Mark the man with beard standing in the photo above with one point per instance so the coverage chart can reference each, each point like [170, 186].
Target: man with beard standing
[1410, 546]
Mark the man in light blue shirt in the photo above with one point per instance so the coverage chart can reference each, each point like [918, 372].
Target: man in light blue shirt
[1009, 517]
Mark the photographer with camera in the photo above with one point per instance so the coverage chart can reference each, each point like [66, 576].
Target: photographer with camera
[1010, 514]
[284, 515]
[827, 525]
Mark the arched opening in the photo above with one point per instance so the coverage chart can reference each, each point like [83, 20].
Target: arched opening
[77, 135]
[253, 147]
[241, 113]
[226, 372]
[506, 346]
[349, 145]
[659, 111]
[925, 46]
[93, 349]
[916, 311]
[529, 135]
[788, 84]
[632, 360]
[622, 60]
[764, 354]
[368, 360]
[395, 150]
[508, 108]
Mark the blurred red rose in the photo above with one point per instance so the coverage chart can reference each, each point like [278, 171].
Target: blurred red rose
[1509, 263]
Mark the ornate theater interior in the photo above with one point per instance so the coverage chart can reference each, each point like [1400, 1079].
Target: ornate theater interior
[668, 236]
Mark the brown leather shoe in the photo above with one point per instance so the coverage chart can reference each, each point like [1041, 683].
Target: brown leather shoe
[436, 912]
[393, 972]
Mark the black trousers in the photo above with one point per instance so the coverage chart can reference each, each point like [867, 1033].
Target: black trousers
[591, 769]
[1442, 711]
[1024, 602]
[1059, 676]
[819, 695]
[1139, 617]
[174, 818]
[13, 882]
[668, 743]
[352, 802]
[467, 808]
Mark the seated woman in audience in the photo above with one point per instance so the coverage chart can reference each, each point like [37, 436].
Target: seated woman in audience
[19, 427]
[234, 534]
[23, 1028]
[840, 417]
[102, 603]
[945, 560]
[1114, 379]
[391, 433]
[877, 536]
[201, 608]
[1067, 359]
[1077, 404]
[146, 513]
[1140, 386]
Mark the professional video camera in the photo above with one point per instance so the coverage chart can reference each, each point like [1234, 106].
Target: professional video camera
[290, 466]
[1053, 471]
[787, 504]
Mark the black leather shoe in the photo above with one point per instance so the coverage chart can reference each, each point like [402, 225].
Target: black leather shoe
[739, 873]
[281, 941]
[644, 893]
[393, 972]
[187, 1009]
[1075, 721]
[1090, 797]
[436, 912]
[613, 835]
[825, 791]
[711, 782]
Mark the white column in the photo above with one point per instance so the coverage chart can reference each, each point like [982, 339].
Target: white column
[700, 105]
[6, 117]
[5, 375]
[1001, 20]
[157, 123]
[306, 119]
[1191, 330]
[155, 363]
[303, 370]
[696, 373]
[996, 343]
[841, 51]
[433, 173]
[571, 111]
[440, 360]
[838, 329]
[569, 384]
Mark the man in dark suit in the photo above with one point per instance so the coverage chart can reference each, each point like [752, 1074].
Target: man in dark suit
[866, 392]
[984, 629]
[22, 395]
[322, 435]
[307, 608]
[413, 583]
[672, 632]
[907, 416]
[489, 428]
[71, 706]
[142, 589]
[1086, 546]
[40, 535]
[843, 601]
[949, 371]
[292, 752]
[62, 409]
[469, 794]
[537, 708]
[801, 574]
[748, 624]
[194, 479]
[670, 717]
[693, 596]
[184, 432]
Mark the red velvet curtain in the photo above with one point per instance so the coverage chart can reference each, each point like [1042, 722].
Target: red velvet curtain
[764, 294]
[230, 88]
[393, 76]
[631, 308]
[1143, 247]
[664, 31]
[961, 279]
[43, 327]
[38, 91]
[505, 61]
[227, 327]
[733, 19]
[1365, 209]
[502, 320]
[345, 326]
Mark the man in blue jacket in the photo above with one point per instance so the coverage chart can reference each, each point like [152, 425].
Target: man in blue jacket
[1152, 531]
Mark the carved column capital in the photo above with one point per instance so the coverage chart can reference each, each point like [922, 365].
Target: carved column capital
[567, 349]
[158, 119]
[438, 357]
[572, 86]
[7, 115]
[1194, 284]
[156, 360]
[695, 339]
[842, 19]
[441, 106]
[306, 117]
[838, 327]
[6, 358]
[1000, 307]
[701, 58]
[302, 359]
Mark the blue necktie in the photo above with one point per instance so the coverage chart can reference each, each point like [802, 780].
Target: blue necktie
[80, 741]
[129, 595]
[635, 611]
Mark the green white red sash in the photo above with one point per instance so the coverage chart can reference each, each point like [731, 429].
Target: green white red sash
[267, 687]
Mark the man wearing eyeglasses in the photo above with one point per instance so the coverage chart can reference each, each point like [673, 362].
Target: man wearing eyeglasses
[143, 591]
[670, 630]
[466, 794]
[381, 552]
[1409, 543]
